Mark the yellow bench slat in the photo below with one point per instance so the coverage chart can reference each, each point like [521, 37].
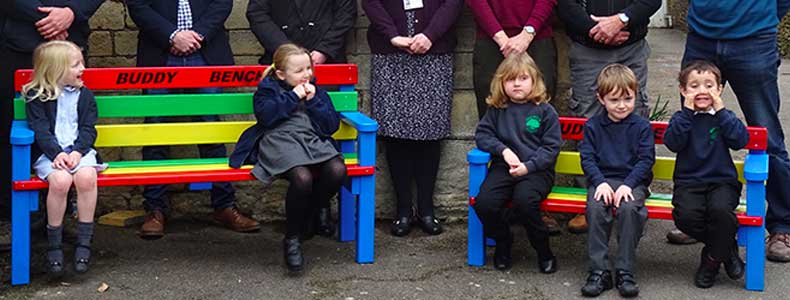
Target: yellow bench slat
[187, 168]
[653, 203]
[186, 133]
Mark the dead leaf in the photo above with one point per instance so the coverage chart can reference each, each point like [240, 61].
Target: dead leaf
[102, 287]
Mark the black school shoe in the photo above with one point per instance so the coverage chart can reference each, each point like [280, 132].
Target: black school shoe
[292, 252]
[503, 259]
[430, 225]
[707, 271]
[547, 266]
[55, 268]
[401, 226]
[626, 284]
[734, 265]
[597, 282]
[324, 225]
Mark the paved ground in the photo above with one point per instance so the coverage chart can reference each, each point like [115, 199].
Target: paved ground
[198, 260]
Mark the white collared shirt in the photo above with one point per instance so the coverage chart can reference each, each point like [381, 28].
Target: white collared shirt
[66, 127]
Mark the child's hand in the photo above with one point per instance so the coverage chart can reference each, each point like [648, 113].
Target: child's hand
[61, 161]
[718, 104]
[604, 191]
[74, 159]
[521, 170]
[300, 91]
[688, 101]
[623, 192]
[310, 90]
[511, 158]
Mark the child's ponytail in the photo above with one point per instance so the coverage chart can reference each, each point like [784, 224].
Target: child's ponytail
[280, 58]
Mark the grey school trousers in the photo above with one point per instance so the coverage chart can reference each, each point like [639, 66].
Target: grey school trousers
[631, 218]
[586, 63]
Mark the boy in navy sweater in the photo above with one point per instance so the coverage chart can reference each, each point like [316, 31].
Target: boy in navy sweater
[617, 156]
[706, 189]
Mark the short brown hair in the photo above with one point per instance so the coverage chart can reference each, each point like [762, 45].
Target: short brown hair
[616, 77]
[511, 67]
[700, 66]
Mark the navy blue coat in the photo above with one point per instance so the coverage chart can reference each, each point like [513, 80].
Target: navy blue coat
[274, 102]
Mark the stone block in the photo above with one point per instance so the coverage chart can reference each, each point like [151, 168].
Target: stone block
[463, 71]
[464, 115]
[109, 16]
[246, 60]
[362, 41]
[243, 42]
[100, 43]
[466, 39]
[238, 18]
[126, 43]
[363, 65]
[129, 22]
[111, 62]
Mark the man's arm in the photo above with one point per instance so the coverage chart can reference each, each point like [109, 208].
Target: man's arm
[262, 25]
[333, 42]
[150, 21]
[83, 9]
[213, 19]
[576, 18]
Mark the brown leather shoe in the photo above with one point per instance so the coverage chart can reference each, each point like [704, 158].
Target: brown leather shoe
[231, 218]
[551, 224]
[677, 237]
[154, 225]
[777, 247]
[578, 224]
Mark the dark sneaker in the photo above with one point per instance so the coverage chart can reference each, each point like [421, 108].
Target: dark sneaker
[707, 271]
[597, 282]
[626, 284]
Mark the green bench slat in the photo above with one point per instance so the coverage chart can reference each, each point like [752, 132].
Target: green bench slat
[583, 191]
[185, 104]
[182, 162]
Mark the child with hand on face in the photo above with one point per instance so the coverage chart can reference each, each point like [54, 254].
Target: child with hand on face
[521, 130]
[706, 187]
[293, 139]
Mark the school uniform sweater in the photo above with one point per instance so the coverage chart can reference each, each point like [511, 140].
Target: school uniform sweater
[622, 150]
[702, 142]
[531, 131]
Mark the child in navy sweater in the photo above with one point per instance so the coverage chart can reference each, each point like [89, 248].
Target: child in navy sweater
[522, 133]
[706, 189]
[617, 156]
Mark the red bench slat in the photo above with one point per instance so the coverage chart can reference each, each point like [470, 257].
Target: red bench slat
[191, 77]
[174, 177]
[653, 212]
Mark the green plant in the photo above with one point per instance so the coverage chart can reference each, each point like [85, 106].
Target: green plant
[659, 114]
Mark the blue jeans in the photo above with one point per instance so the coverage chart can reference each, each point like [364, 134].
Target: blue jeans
[751, 65]
[222, 193]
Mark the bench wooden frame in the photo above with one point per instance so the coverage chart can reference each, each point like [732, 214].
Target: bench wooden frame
[356, 136]
[754, 171]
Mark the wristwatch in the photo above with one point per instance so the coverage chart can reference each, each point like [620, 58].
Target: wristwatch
[623, 18]
[529, 29]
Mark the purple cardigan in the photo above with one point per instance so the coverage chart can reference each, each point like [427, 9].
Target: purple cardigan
[388, 20]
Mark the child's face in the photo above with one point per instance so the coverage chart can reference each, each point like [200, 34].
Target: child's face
[73, 76]
[298, 70]
[618, 103]
[517, 89]
[702, 88]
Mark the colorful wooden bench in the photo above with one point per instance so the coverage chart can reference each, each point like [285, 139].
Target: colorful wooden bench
[751, 214]
[356, 136]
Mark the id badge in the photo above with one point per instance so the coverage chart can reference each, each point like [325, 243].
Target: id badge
[412, 4]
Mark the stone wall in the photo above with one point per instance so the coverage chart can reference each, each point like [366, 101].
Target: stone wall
[679, 8]
[113, 43]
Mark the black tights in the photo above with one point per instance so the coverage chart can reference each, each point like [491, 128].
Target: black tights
[412, 160]
[310, 186]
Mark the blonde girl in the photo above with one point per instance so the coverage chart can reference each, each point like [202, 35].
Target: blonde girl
[62, 114]
[522, 133]
[293, 139]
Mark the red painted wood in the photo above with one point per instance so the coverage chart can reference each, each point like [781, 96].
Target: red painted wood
[174, 177]
[653, 212]
[572, 129]
[191, 77]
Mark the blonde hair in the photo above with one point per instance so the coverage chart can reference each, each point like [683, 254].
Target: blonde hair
[281, 58]
[511, 67]
[616, 77]
[51, 61]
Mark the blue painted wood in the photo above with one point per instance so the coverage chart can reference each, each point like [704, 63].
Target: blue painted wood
[755, 172]
[347, 207]
[200, 186]
[366, 219]
[478, 163]
[20, 213]
[346, 88]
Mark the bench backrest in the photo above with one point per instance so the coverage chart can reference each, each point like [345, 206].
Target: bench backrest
[185, 133]
[572, 129]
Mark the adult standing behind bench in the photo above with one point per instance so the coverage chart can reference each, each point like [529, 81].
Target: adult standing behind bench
[321, 27]
[24, 24]
[604, 32]
[411, 90]
[183, 33]
[740, 37]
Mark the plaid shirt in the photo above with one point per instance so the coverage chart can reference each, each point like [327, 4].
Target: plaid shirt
[184, 18]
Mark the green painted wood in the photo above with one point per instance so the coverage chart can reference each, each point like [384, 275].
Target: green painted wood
[182, 162]
[583, 191]
[185, 104]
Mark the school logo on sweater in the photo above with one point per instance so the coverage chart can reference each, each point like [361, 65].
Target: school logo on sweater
[532, 123]
[713, 132]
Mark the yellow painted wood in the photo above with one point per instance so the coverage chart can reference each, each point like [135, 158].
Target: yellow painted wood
[184, 168]
[186, 133]
[570, 163]
[652, 203]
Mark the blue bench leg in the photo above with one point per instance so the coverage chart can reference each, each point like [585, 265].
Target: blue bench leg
[346, 213]
[475, 251]
[755, 258]
[366, 219]
[742, 236]
[20, 235]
